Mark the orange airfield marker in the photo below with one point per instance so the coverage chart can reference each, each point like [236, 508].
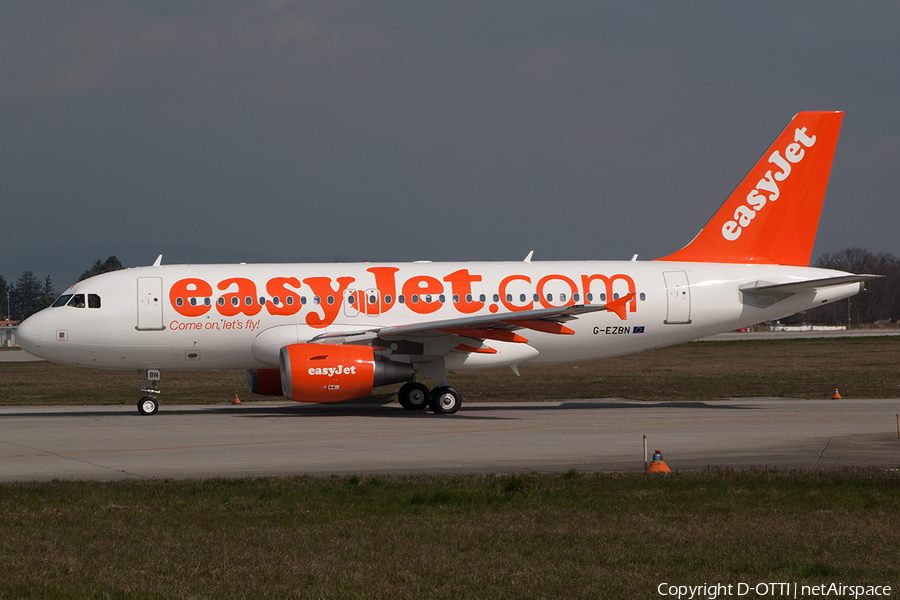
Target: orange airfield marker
[658, 465]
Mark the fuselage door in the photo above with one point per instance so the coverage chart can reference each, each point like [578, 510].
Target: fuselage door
[150, 306]
[678, 298]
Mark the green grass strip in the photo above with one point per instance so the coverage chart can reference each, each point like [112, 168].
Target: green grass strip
[509, 536]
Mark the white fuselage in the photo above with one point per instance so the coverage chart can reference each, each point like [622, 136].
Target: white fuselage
[193, 317]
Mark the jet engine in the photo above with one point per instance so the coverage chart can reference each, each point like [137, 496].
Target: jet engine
[327, 373]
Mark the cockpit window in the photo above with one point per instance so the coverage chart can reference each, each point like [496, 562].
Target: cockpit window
[77, 301]
[93, 301]
[61, 301]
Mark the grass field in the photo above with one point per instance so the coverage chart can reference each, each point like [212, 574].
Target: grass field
[858, 367]
[534, 536]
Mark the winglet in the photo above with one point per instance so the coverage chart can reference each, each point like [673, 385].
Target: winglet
[772, 216]
[619, 306]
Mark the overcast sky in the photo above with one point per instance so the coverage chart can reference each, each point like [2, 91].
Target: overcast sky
[418, 130]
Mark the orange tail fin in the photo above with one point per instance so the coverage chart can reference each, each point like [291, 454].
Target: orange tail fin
[772, 216]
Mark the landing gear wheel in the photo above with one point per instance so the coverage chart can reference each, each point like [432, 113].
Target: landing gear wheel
[445, 400]
[413, 396]
[148, 406]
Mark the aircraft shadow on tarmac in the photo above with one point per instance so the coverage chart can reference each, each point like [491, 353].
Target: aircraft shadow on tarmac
[483, 411]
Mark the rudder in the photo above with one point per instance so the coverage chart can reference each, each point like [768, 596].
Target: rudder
[772, 215]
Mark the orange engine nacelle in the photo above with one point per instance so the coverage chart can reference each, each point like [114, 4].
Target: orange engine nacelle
[331, 373]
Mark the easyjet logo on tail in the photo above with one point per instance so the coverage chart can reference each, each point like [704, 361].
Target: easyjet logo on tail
[757, 198]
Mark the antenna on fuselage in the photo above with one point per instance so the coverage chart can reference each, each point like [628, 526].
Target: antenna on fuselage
[528, 258]
[158, 261]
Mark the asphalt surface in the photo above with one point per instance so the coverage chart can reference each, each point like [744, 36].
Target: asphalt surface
[280, 438]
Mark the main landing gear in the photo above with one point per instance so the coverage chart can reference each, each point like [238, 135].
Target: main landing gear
[442, 400]
[148, 405]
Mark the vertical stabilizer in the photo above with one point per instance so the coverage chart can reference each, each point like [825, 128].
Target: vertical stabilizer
[772, 216]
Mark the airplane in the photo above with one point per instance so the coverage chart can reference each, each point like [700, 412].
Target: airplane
[333, 332]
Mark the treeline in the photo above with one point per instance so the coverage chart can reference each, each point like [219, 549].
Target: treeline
[28, 294]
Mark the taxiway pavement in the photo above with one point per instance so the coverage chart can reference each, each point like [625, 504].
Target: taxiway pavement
[280, 438]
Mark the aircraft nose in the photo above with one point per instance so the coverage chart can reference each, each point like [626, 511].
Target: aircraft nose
[28, 335]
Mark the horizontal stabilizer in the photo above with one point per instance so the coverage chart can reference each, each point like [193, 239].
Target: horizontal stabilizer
[797, 287]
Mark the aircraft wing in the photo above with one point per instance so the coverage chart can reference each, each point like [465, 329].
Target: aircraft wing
[499, 327]
[797, 287]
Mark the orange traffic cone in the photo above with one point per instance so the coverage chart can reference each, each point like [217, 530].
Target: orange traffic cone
[836, 396]
[236, 399]
[658, 465]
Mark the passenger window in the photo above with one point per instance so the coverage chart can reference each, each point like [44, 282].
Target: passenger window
[262, 301]
[522, 297]
[350, 299]
[316, 300]
[206, 302]
[469, 298]
[481, 298]
[235, 301]
[590, 297]
[602, 297]
[415, 298]
[401, 299]
[275, 300]
[643, 296]
[387, 299]
[77, 301]
[93, 301]
[562, 297]
[576, 297]
[220, 301]
[330, 299]
[497, 298]
[509, 297]
[193, 302]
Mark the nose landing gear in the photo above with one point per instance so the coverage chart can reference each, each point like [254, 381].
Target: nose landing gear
[148, 405]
